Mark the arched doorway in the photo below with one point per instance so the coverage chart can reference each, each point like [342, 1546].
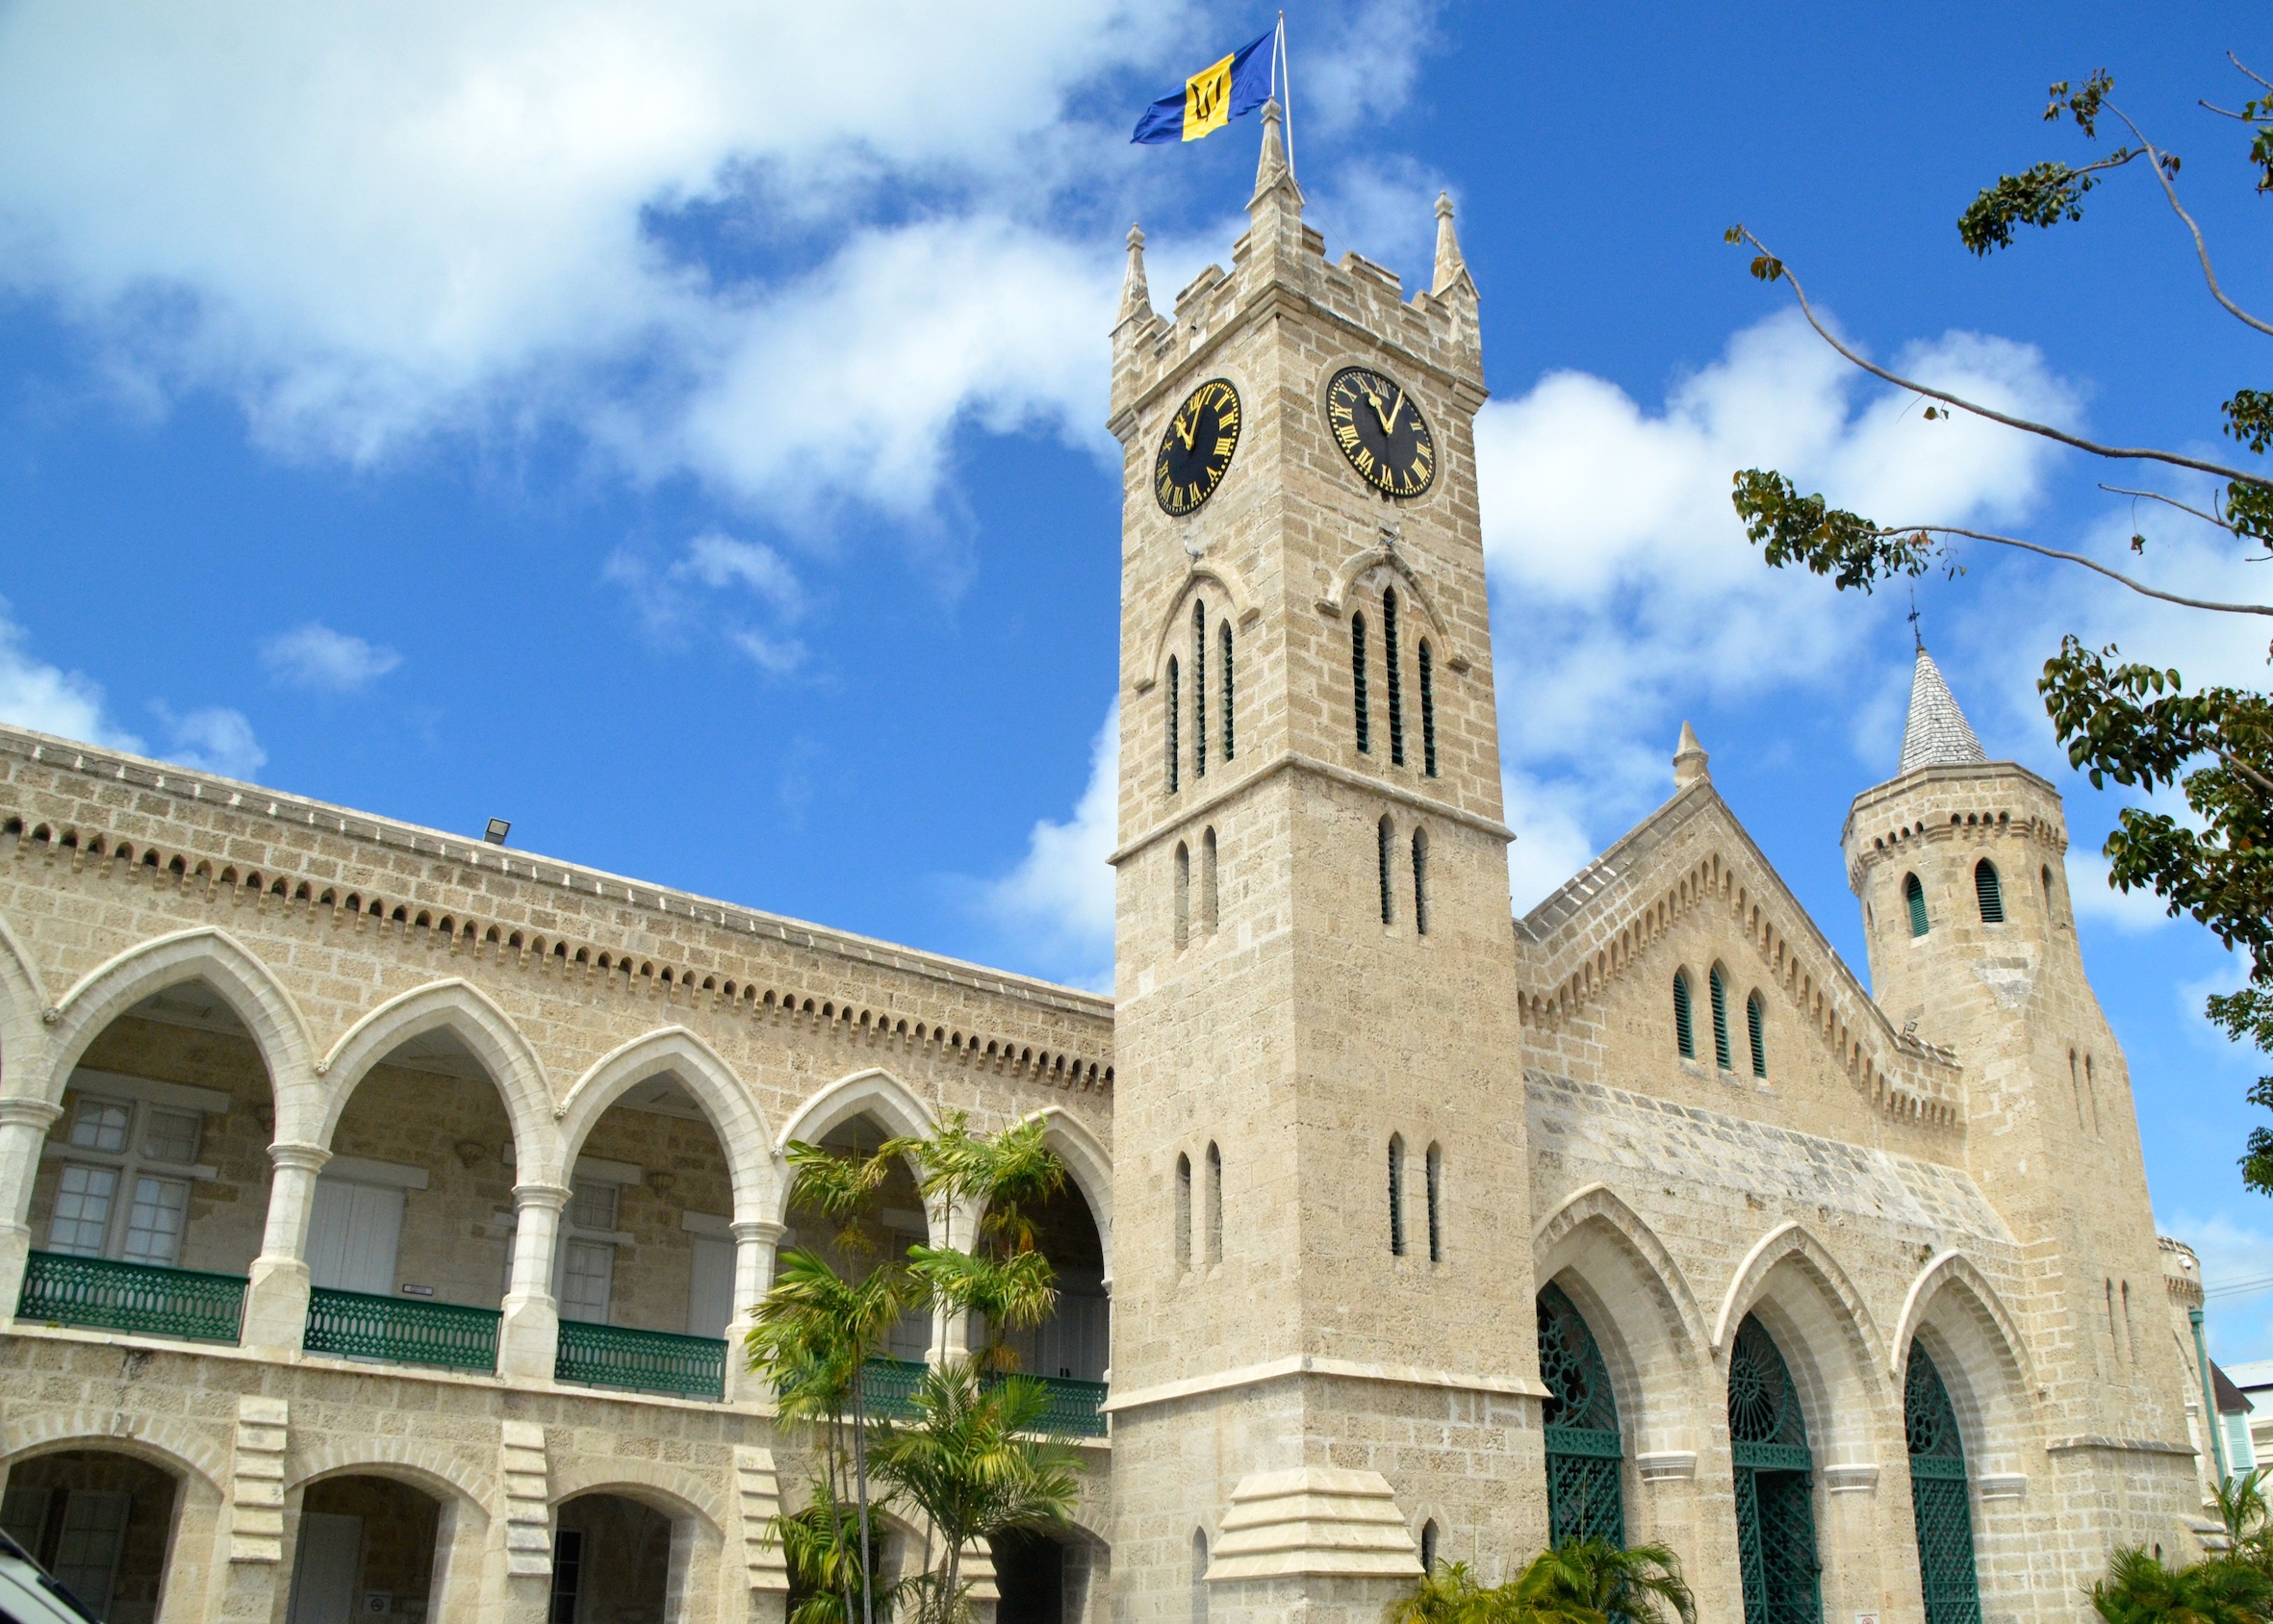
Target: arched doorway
[1775, 1484]
[1938, 1501]
[1029, 1578]
[1585, 1455]
[611, 1559]
[364, 1545]
[101, 1522]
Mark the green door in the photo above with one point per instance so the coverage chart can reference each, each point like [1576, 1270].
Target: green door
[1775, 1490]
[1938, 1497]
[1584, 1454]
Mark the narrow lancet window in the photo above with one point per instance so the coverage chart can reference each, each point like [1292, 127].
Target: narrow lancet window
[1230, 733]
[1385, 843]
[1397, 1195]
[1397, 694]
[1420, 882]
[1684, 1032]
[1214, 1204]
[1914, 893]
[1757, 1028]
[1208, 882]
[1182, 895]
[1199, 690]
[1175, 710]
[1988, 893]
[1436, 1204]
[1428, 710]
[1183, 1212]
[1720, 992]
[1357, 674]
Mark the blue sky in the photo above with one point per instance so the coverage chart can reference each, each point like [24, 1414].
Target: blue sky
[678, 429]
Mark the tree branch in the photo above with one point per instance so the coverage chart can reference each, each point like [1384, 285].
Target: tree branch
[2173, 501]
[2140, 587]
[2201, 248]
[2044, 430]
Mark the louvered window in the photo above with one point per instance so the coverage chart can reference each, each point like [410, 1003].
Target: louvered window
[1175, 709]
[1397, 1195]
[1914, 893]
[1396, 696]
[1384, 841]
[1357, 674]
[1720, 994]
[1755, 1028]
[1199, 690]
[1436, 1204]
[1420, 882]
[1684, 1033]
[1428, 711]
[1988, 892]
[1230, 738]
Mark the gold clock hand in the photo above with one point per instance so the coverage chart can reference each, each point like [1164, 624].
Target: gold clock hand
[1391, 426]
[1185, 433]
[1378, 412]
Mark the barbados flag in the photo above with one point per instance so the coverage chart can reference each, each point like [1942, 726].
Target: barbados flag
[1215, 96]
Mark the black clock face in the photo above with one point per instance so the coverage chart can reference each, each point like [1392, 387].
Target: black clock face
[1197, 448]
[1381, 431]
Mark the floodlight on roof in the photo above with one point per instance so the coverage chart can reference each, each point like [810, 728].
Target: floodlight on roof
[498, 828]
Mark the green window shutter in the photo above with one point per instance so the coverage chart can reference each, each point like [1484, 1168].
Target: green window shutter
[1683, 1033]
[1988, 892]
[1755, 1025]
[1719, 992]
[1915, 894]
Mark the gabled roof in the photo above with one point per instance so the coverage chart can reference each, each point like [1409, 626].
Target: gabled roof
[1937, 734]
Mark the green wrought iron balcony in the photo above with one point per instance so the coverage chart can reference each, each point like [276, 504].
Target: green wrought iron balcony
[361, 1325]
[645, 1361]
[140, 1299]
[888, 1387]
[1076, 1408]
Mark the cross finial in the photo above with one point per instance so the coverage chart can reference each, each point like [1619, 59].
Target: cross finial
[1916, 636]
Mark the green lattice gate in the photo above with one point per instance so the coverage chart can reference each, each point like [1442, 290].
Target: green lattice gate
[1584, 1456]
[1774, 1491]
[1938, 1497]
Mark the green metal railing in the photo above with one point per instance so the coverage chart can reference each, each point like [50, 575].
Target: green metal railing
[1076, 1408]
[141, 1299]
[360, 1325]
[646, 1361]
[888, 1387]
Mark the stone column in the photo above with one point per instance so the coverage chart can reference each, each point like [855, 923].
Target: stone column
[23, 1131]
[754, 1241]
[953, 1226]
[276, 1302]
[528, 1341]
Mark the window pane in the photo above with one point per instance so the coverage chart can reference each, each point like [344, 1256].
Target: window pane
[590, 1270]
[155, 1222]
[82, 1210]
[173, 1135]
[593, 1207]
[99, 1125]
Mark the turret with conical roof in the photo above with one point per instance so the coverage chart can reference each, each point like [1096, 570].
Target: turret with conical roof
[1958, 863]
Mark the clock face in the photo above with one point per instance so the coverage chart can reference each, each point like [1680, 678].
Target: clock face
[1381, 431]
[1197, 448]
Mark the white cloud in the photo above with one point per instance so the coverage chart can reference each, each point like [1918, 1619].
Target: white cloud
[212, 740]
[316, 656]
[1059, 897]
[49, 699]
[673, 611]
[2094, 898]
[1624, 588]
[718, 560]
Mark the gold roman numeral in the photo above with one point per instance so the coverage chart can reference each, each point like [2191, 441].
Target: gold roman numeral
[1224, 443]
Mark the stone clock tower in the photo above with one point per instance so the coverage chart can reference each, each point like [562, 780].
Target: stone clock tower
[1323, 1320]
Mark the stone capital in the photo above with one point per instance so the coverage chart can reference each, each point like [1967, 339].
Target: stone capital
[546, 1198]
[759, 1230]
[299, 1157]
[21, 1112]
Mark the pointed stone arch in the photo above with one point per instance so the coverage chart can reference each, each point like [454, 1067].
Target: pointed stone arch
[1982, 1359]
[505, 1056]
[1827, 1335]
[1599, 1204]
[23, 997]
[1178, 619]
[1354, 570]
[269, 1014]
[1947, 1270]
[1089, 1164]
[870, 1092]
[731, 1106]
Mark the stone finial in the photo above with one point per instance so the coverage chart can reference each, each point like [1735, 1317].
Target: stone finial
[1135, 296]
[1690, 761]
[1937, 733]
[1272, 174]
[1451, 269]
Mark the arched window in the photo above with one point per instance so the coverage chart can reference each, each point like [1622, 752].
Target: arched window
[1183, 1212]
[1214, 1204]
[1230, 738]
[1774, 1502]
[1988, 893]
[1397, 1195]
[1182, 895]
[1357, 674]
[1396, 697]
[1938, 1503]
[1175, 716]
[1420, 882]
[1428, 1546]
[1684, 1032]
[1757, 1028]
[1718, 989]
[2076, 1087]
[1436, 1204]
[1914, 893]
[1428, 710]
[2044, 880]
[1199, 1576]
[2091, 1095]
[1207, 882]
[1199, 690]
[1384, 841]
[1584, 1449]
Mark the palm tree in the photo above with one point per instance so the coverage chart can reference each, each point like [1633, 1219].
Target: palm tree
[970, 1463]
[1449, 1595]
[2140, 1589]
[999, 1277]
[2249, 1520]
[1592, 1578]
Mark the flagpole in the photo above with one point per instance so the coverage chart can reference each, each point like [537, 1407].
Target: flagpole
[1287, 102]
